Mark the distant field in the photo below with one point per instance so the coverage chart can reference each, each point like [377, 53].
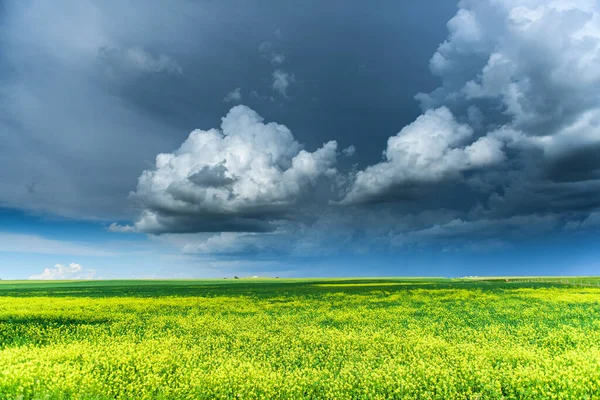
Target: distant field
[471, 338]
[566, 280]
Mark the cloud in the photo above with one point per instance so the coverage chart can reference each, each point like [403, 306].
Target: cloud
[114, 227]
[63, 272]
[591, 221]
[237, 244]
[510, 132]
[428, 150]
[281, 81]
[516, 117]
[267, 50]
[516, 226]
[537, 62]
[378, 231]
[234, 96]
[74, 82]
[137, 59]
[277, 58]
[265, 47]
[22, 243]
[278, 34]
[349, 151]
[240, 178]
[509, 140]
[505, 149]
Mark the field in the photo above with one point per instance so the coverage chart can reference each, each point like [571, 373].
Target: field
[353, 338]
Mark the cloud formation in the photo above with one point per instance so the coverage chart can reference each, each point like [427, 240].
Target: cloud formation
[516, 118]
[281, 81]
[137, 59]
[509, 139]
[114, 227]
[349, 151]
[505, 144]
[239, 178]
[66, 73]
[381, 231]
[430, 149]
[234, 96]
[267, 50]
[72, 271]
[537, 62]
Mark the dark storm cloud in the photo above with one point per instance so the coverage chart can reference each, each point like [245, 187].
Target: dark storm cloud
[79, 143]
[166, 221]
[516, 118]
[484, 150]
[502, 136]
[579, 164]
[92, 91]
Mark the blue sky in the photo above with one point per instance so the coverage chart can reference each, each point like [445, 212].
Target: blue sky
[351, 138]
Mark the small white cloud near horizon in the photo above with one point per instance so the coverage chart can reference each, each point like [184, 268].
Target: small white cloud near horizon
[72, 271]
[234, 96]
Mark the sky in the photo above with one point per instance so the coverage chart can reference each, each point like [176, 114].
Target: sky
[208, 139]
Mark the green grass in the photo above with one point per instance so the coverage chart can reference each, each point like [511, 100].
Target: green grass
[417, 338]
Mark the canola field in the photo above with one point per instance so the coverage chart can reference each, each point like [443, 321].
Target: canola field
[296, 339]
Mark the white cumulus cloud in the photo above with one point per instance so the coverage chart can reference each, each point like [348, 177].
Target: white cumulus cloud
[430, 149]
[539, 61]
[520, 84]
[238, 178]
[72, 271]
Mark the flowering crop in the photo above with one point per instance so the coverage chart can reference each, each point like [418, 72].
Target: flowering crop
[335, 339]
